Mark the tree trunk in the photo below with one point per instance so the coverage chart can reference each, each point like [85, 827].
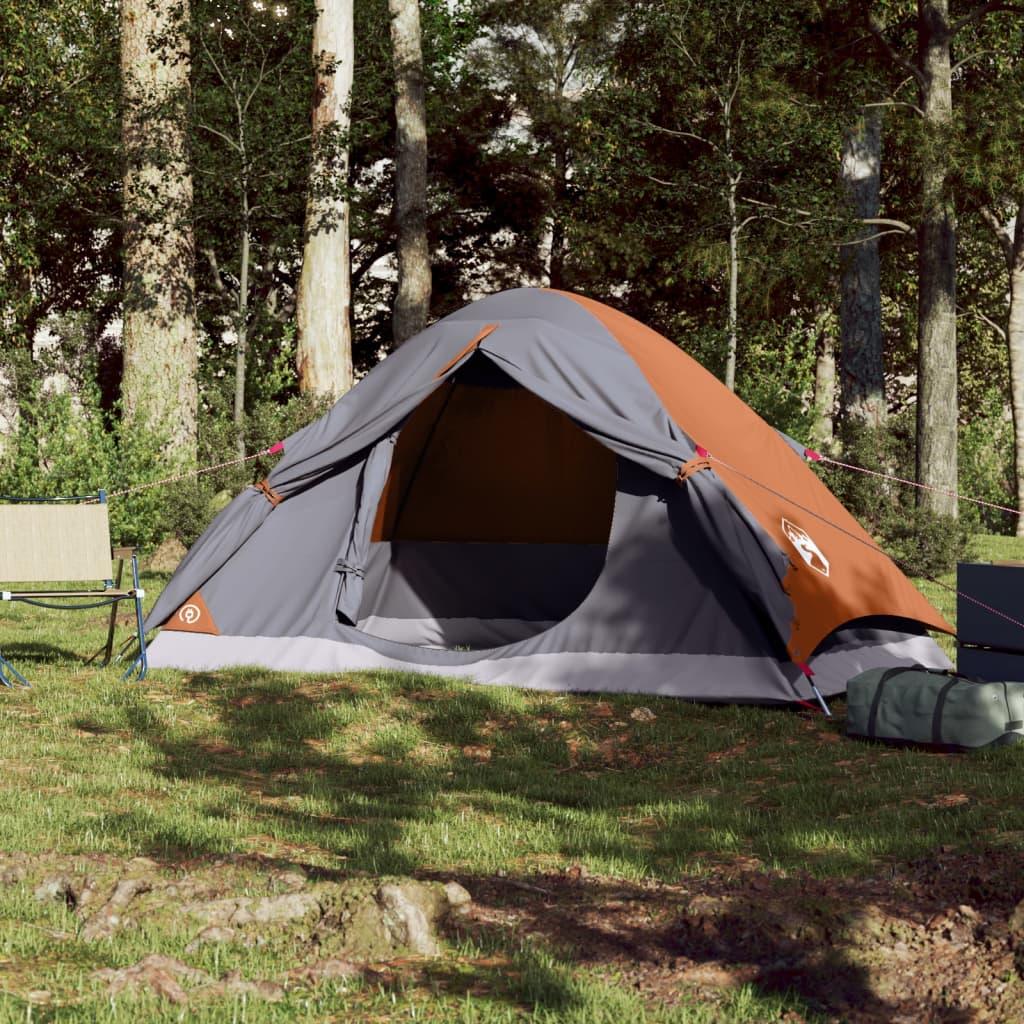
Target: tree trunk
[824, 382]
[1011, 241]
[1015, 341]
[936, 332]
[242, 326]
[862, 387]
[556, 259]
[159, 388]
[324, 345]
[412, 303]
[734, 287]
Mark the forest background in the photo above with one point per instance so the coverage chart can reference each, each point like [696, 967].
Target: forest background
[214, 216]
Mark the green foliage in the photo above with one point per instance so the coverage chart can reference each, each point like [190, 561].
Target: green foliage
[986, 464]
[59, 165]
[921, 542]
[62, 446]
[776, 375]
[191, 504]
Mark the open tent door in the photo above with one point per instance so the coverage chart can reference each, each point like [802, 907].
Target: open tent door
[494, 520]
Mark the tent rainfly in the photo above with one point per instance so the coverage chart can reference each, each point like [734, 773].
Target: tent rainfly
[540, 491]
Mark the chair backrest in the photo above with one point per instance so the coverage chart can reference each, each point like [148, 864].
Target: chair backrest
[54, 543]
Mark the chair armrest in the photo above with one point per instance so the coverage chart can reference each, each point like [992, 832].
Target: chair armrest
[123, 552]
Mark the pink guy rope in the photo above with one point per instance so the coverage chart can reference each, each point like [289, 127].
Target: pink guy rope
[275, 449]
[814, 456]
[911, 570]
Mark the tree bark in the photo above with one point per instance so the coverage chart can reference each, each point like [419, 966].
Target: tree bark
[824, 384]
[323, 306]
[560, 194]
[242, 325]
[732, 324]
[412, 302]
[1015, 343]
[937, 405]
[1011, 241]
[158, 388]
[862, 376]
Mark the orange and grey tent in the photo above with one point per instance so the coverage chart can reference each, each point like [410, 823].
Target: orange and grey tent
[540, 491]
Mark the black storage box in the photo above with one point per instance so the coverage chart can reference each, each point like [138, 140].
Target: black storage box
[990, 647]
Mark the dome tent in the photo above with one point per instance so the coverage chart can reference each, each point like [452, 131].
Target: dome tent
[540, 491]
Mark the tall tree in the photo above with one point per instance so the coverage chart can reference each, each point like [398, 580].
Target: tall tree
[60, 178]
[548, 56]
[159, 386]
[709, 114]
[994, 180]
[250, 105]
[324, 347]
[862, 380]
[412, 302]
[931, 69]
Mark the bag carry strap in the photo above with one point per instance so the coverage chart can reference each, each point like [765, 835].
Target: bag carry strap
[877, 699]
[940, 704]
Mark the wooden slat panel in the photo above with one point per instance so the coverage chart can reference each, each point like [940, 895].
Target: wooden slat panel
[51, 543]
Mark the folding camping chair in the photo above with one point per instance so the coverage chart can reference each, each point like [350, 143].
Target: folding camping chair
[66, 540]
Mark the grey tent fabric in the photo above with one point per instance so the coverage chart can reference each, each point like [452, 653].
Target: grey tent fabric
[684, 596]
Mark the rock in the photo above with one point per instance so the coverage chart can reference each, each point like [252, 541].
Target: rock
[162, 975]
[366, 921]
[457, 896]
[405, 917]
[290, 907]
[59, 887]
[324, 970]
[110, 917]
[209, 936]
[233, 984]
[643, 715]
[243, 910]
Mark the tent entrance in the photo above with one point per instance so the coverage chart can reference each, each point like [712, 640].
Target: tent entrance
[494, 521]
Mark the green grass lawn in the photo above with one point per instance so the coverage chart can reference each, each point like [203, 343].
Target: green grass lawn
[390, 773]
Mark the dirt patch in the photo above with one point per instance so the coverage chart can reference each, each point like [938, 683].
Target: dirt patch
[942, 939]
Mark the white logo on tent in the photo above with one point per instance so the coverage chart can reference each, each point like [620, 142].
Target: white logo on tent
[189, 614]
[805, 547]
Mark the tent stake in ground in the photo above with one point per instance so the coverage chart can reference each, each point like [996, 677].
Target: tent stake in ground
[542, 492]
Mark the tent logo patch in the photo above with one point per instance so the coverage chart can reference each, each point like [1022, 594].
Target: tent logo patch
[805, 547]
[193, 617]
[190, 614]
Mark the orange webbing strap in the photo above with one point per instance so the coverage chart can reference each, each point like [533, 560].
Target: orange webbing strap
[269, 493]
[687, 469]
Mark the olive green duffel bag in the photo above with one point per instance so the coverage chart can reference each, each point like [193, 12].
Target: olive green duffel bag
[920, 705]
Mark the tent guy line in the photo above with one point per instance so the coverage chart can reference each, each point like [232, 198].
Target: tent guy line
[905, 566]
[815, 456]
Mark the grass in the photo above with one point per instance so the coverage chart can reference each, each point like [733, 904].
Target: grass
[399, 774]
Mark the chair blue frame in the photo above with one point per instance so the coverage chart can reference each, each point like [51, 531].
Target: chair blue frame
[111, 595]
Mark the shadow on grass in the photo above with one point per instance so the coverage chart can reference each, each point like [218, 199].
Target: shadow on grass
[272, 746]
[25, 655]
